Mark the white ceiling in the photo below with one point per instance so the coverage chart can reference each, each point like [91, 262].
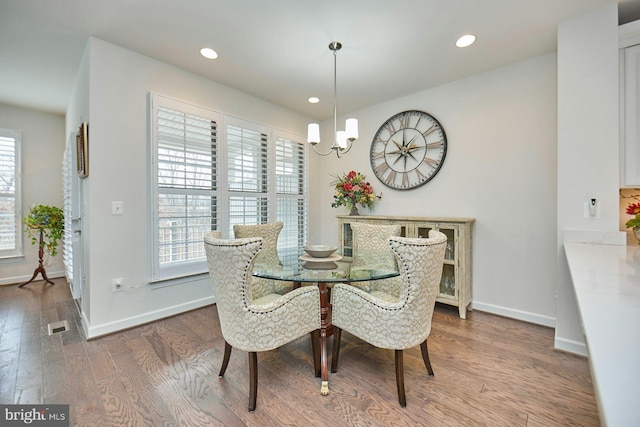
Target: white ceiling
[277, 50]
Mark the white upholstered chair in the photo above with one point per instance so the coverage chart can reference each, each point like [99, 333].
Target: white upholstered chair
[395, 322]
[254, 324]
[371, 251]
[268, 256]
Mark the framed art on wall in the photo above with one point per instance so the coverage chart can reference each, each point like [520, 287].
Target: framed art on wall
[82, 150]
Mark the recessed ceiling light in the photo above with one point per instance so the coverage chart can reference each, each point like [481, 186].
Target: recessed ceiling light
[466, 40]
[314, 100]
[208, 53]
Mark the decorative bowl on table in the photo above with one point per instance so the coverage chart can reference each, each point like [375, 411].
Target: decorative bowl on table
[328, 265]
[320, 251]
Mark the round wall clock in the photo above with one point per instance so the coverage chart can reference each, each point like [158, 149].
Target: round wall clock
[408, 150]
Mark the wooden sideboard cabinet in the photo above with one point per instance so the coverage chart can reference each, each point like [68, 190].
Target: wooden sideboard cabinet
[455, 285]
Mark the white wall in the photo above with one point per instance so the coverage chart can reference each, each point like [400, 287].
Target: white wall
[500, 169]
[588, 144]
[119, 84]
[42, 152]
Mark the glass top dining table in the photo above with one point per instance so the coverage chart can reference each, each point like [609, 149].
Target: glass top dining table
[329, 272]
[322, 273]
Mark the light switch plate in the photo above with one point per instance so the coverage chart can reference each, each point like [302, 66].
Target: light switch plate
[117, 208]
[592, 211]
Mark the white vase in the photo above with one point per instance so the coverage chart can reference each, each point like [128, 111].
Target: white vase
[636, 233]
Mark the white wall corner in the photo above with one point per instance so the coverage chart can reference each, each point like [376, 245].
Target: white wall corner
[588, 159]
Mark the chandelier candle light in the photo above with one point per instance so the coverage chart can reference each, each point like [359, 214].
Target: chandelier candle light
[343, 139]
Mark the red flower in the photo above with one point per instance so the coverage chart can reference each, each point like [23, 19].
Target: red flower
[352, 189]
[633, 209]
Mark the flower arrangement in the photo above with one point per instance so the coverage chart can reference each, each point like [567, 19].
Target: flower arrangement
[352, 189]
[633, 209]
[50, 220]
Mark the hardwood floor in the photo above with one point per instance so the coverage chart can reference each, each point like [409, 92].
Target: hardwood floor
[489, 371]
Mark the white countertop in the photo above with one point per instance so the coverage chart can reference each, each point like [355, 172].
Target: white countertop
[606, 279]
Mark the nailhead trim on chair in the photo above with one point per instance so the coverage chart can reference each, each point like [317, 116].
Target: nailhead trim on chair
[374, 303]
[270, 311]
[244, 296]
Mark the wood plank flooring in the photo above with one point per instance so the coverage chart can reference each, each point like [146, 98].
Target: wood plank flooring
[489, 371]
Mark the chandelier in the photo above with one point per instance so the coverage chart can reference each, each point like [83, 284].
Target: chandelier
[342, 139]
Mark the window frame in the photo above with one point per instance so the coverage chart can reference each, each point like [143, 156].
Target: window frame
[157, 271]
[223, 192]
[17, 251]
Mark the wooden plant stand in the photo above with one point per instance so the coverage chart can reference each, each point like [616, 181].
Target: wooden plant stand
[40, 268]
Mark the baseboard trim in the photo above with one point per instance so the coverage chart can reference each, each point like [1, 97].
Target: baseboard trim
[141, 319]
[571, 346]
[562, 344]
[83, 319]
[21, 279]
[525, 316]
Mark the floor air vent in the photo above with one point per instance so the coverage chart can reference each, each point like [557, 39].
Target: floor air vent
[58, 327]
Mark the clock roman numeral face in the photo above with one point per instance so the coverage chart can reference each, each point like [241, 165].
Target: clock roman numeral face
[408, 150]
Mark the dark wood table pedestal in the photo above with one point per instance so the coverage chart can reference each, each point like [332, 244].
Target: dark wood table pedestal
[322, 277]
[319, 338]
[40, 269]
[326, 330]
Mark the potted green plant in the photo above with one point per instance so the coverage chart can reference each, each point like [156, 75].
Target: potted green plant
[45, 227]
[49, 220]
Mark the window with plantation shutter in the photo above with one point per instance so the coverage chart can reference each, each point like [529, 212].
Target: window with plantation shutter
[184, 140]
[247, 173]
[68, 169]
[211, 171]
[10, 200]
[291, 197]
